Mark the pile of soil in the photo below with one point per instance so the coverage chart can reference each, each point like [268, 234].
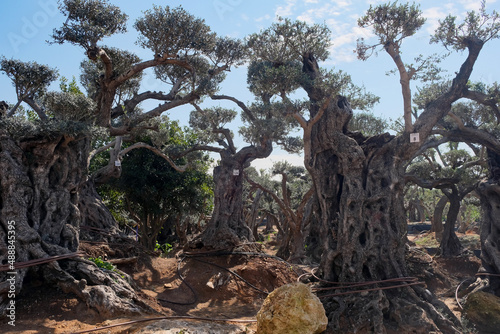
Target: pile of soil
[194, 287]
[200, 286]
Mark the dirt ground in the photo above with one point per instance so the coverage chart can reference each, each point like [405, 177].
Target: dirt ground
[209, 291]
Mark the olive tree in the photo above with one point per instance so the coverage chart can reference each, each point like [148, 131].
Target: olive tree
[294, 196]
[46, 189]
[359, 181]
[457, 177]
[264, 125]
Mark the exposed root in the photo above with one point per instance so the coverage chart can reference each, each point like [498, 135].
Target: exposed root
[398, 311]
[108, 292]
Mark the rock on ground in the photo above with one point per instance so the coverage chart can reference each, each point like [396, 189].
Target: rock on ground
[191, 327]
[291, 309]
[483, 310]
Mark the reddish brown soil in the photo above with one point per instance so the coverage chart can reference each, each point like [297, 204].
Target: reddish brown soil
[43, 309]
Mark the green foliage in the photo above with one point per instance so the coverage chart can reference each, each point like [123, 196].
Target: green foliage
[273, 78]
[29, 78]
[70, 106]
[368, 124]
[427, 241]
[122, 61]
[102, 264]
[71, 87]
[105, 265]
[279, 55]
[200, 74]
[267, 121]
[114, 199]
[20, 128]
[391, 23]
[165, 248]
[209, 121]
[476, 26]
[150, 191]
[172, 32]
[286, 41]
[88, 22]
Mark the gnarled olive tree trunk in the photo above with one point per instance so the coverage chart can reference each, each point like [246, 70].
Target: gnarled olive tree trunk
[360, 190]
[227, 227]
[450, 244]
[489, 194]
[41, 214]
[437, 220]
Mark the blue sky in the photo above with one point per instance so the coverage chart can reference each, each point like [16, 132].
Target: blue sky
[25, 26]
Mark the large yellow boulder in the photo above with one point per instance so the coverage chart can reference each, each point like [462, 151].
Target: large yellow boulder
[291, 309]
[483, 309]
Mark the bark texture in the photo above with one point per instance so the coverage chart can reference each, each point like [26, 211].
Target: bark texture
[41, 182]
[437, 220]
[359, 186]
[364, 229]
[450, 244]
[227, 227]
[489, 194]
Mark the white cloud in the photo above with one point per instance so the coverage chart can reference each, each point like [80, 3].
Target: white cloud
[286, 10]
[293, 159]
[344, 43]
[433, 15]
[266, 17]
[470, 4]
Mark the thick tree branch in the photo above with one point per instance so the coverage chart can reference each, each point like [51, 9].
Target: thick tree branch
[154, 150]
[485, 100]
[392, 49]
[155, 112]
[95, 152]
[36, 107]
[14, 108]
[321, 111]
[441, 106]
[227, 134]
[138, 98]
[240, 104]
[135, 69]
[457, 120]
[431, 184]
[108, 64]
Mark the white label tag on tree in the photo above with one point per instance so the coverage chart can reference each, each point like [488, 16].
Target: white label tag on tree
[118, 163]
[236, 172]
[414, 137]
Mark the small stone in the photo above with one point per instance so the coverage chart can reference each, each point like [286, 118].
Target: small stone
[292, 309]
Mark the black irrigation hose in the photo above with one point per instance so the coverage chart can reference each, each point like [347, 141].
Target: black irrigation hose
[36, 262]
[223, 253]
[218, 253]
[183, 280]
[234, 274]
[372, 289]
